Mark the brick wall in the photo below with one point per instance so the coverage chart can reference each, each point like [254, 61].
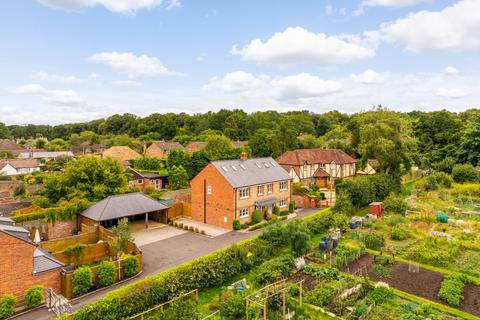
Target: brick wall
[16, 267]
[254, 196]
[60, 229]
[220, 204]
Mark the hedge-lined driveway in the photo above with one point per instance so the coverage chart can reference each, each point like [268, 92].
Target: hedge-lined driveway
[163, 255]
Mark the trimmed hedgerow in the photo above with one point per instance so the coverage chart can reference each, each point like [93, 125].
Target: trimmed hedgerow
[7, 306]
[33, 296]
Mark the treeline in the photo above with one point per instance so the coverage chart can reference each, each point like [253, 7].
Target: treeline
[430, 139]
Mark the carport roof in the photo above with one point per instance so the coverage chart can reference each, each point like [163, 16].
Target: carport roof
[123, 205]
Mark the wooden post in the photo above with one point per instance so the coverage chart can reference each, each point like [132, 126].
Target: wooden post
[265, 308]
[283, 306]
[146, 220]
[246, 311]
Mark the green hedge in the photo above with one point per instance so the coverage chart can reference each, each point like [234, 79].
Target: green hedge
[106, 274]
[82, 280]
[129, 266]
[209, 271]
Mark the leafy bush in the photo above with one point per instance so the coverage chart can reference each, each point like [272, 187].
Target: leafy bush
[257, 216]
[33, 296]
[276, 210]
[384, 260]
[298, 238]
[42, 202]
[399, 233]
[185, 309]
[339, 220]
[452, 288]
[106, 274]
[374, 241]
[432, 253]
[321, 295]
[381, 271]
[233, 305]
[129, 266]
[343, 204]
[462, 173]
[395, 203]
[236, 225]
[322, 272]
[394, 220]
[380, 295]
[7, 306]
[81, 280]
[276, 235]
[291, 206]
[19, 190]
[274, 270]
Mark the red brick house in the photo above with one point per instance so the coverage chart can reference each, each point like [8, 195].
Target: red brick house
[230, 190]
[144, 180]
[23, 264]
[316, 166]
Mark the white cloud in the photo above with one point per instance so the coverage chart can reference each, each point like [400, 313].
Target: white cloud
[65, 97]
[450, 93]
[303, 85]
[298, 86]
[202, 56]
[329, 9]
[44, 76]
[132, 65]
[298, 45]
[455, 28]
[451, 71]
[369, 76]
[236, 81]
[128, 83]
[117, 6]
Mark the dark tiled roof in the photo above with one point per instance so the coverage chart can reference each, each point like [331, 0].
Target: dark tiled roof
[43, 261]
[15, 231]
[167, 146]
[314, 156]
[7, 221]
[250, 172]
[122, 205]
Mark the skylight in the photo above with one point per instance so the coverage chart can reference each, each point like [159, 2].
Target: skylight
[266, 165]
[243, 167]
[273, 164]
[258, 164]
[225, 169]
[234, 168]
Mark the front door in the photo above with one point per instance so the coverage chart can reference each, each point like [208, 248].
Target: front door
[158, 184]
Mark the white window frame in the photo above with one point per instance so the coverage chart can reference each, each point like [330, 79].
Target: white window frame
[209, 189]
[244, 193]
[283, 185]
[243, 213]
[260, 190]
[270, 188]
[283, 203]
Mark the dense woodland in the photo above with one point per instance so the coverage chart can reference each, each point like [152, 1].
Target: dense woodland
[397, 140]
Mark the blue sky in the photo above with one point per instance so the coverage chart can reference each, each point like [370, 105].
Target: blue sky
[78, 60]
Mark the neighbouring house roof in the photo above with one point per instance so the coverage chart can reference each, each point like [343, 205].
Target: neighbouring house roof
[144, 175]
[15, 231]
[314, 156]
[320, 173]
[295, 168]
[86, 147]
[43, 261]
[45, 154]
[123, 205]
[249, 172]
[239, 144]
[7, 221]
[168, 145]
[122, 154]
[20, 163]
[195, 146]
[11, 146]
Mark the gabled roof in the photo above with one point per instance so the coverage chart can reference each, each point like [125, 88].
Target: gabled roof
[168, 145]
[7, 221]
[144, 175]
[11, 146]
[15, 231]
[320, 173]
[122, 154]
[20, 163]
[239, 144]
[43, 261]
[250, 172]
[195, 146]
[122, 205]
[314, 156]
[45, 154]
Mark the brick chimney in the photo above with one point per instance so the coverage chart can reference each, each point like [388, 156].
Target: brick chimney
[243, 156]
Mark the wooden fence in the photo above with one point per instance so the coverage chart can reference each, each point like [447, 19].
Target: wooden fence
[180, 209]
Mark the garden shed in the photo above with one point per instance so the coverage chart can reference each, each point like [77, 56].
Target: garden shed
[134, 206]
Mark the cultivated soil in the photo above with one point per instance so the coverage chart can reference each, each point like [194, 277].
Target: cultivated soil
[424, 283]
[308, 283]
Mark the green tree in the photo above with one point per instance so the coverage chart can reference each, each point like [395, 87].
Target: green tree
[4, 132]
[469, 150]
[148, 163]
[178, 178]
[265, 143]
[123, 236]
[40, 143]
[218, 147]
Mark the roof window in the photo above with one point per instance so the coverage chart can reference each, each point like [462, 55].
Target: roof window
[224, 169]
[258, 165]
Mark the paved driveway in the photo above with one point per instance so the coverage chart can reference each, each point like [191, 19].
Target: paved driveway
[146, 236]
[165, 254]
